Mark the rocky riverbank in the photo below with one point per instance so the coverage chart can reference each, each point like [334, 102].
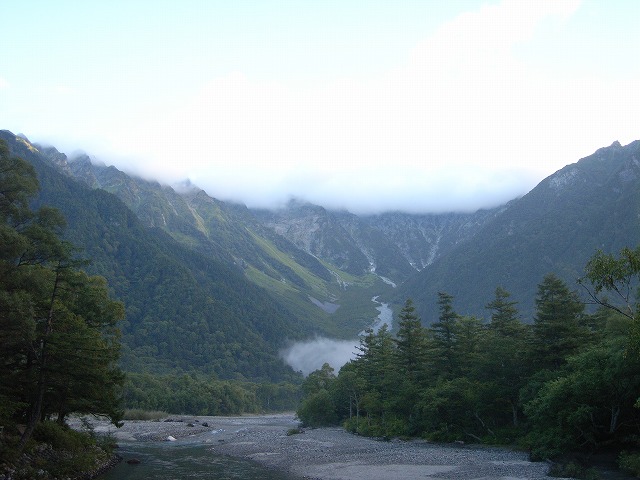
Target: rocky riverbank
[331, 453]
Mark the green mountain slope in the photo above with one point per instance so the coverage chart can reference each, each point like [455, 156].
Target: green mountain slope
[592, 204]
[312, 271]
[185, 311]
[233, 235]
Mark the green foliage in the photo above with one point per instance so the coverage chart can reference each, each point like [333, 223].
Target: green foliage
[630, 461]
[592, 402]
[557, 327]
[411, 345]
[60, 437]
[568, 383]
[619, 277]
[200, 395]
[318, 410]
[58, 326]
[141, 414]
[63, 452]
[572, 469]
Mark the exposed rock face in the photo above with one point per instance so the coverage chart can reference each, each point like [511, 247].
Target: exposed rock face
[394, 245]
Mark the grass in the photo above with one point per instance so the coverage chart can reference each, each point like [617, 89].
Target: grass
[140, 414]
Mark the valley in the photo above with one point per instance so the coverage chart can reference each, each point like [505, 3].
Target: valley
[314, 271]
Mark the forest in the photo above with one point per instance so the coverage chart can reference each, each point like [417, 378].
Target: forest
[568, 382]
[565, 381]
[59, 336]
[60, 346]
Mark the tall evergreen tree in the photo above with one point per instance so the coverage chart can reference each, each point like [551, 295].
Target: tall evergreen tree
[411, 345]
[504, 313]
[557, 328]
[411, 362]
[504, 364]
[443, 333]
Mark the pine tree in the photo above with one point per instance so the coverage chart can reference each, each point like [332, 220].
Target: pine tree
[504, 365]
[504, 314]
[443, 333]
[557, 328]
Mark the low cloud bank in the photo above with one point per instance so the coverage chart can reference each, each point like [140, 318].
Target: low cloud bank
[311, 355]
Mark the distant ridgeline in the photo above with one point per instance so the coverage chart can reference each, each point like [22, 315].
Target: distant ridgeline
[216, 288]
[556, 228]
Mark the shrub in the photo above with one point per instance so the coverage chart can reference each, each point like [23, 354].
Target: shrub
[630, 462]
[61, 437]
[318, 410]
[63, 452]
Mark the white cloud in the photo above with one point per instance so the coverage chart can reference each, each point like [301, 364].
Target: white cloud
[465, 124]
[309, 356]
[4, 83]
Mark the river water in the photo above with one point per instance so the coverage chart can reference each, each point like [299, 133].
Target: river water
[385, 315]
[177, 461]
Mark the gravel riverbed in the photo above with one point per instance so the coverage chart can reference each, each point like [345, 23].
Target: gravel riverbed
[332, 453]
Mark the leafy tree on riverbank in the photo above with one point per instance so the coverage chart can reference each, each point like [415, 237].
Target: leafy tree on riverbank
[58, 327]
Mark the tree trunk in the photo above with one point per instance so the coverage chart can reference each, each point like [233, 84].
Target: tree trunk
[615, 414]
[35, 412]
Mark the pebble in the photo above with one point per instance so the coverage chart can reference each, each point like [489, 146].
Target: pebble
[325, 452]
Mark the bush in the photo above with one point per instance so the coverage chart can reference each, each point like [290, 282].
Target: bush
[572, 469]
[630, 462]
[392, 427]
[318, 410]
[63, 452]
[61, 437]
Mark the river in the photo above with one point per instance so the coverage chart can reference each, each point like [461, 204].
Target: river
[193, 458]
[309, 355]
[185, 460]
[385, 315]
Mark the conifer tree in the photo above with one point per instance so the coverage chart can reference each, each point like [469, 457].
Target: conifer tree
[58, 327]
[557, 328]
[504, 365]
[443, 333]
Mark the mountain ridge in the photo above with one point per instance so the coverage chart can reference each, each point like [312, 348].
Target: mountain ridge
[324, 266]
[588, 205]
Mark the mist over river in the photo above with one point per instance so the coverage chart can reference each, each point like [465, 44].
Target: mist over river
[310, 355]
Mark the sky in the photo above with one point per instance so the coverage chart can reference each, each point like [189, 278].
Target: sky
[370, 106]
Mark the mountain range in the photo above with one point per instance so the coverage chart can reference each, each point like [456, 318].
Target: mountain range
[216, 287]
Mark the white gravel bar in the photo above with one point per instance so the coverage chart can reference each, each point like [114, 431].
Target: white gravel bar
[332, 453]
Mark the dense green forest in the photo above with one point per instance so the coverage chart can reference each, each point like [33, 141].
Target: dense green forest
[60, 342]
[196, 395]
[185, 312]
[59, 336]
[567, 382]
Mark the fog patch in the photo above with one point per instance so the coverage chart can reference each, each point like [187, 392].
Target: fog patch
[310, 355]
